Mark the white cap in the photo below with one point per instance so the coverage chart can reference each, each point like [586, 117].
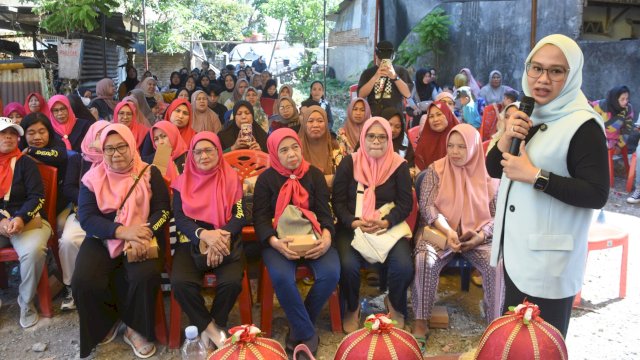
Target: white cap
[6, 123]
[191, 332]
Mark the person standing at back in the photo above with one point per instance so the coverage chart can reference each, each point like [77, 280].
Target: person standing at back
[384, 84]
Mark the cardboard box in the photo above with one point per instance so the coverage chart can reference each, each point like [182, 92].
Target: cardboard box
[302, 243]
[249, 184]
[435, 237]
[439, 318]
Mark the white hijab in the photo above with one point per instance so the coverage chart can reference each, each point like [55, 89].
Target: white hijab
[571, 101]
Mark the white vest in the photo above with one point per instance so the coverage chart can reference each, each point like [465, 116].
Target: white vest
[544, 239]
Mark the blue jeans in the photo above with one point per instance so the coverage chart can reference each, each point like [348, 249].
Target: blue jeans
[302, 316]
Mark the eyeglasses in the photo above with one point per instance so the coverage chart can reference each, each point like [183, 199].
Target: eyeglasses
[209, 151]
[288, 107]
[59, 110]
[373, 137]
[555, 73]
[112, 150]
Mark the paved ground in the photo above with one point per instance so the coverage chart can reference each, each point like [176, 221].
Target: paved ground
[606, 327]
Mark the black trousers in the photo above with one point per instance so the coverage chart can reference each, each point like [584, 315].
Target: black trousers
[398, 271]
[186, 282]
[556, 312]
[107, 289]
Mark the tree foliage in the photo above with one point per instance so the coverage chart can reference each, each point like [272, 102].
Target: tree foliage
[70, 16]
[304, 19]
[181, 20]
[432, 31]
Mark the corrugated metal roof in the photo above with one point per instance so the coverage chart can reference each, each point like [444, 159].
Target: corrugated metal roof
[16, 84]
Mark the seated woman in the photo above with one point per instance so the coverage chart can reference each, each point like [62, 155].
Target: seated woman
[180, 114]
[22, 222]
[104, 102]
[107, 286]
[385, 176]
[45, 146]
[204, 119]
[14, 111]
[207, 203]
[238, 91]
[291, 180]
[165, 133]
[318, 148]
[253, 97]
[287, 115]
[401, 144]
[457, 197]
[432, 144]
[72, 233]
[348, 136]
[64, 122]
[317, 97]
[126, 114]
[618, 116]
[35, 102]
[232, 138]
[145, 114]
[229, 86]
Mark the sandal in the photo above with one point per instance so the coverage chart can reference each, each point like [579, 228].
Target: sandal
[145, 351]
[422, 343]
[373, 279]
[111, 334]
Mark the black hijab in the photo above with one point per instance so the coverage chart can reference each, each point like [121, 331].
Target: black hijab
[130, 83]
[229, 134]
[401, 144]
[81, 111]
[613, 106]
[265, 94]
[424, 90]
[171, 84]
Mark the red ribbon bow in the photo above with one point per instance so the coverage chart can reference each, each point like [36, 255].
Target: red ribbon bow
[243, 334]
[526, 311]
[379, 323]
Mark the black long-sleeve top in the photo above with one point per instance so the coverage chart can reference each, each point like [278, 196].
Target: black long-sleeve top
[76, 168]
[188, 226]
[588, 186]
[265, 197]
[27, 192]
[78, 133]
[56, 156]
[101, 226]
[396, 189]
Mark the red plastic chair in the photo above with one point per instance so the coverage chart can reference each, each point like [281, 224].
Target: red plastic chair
[267, 301]
[624, 152]
[602, 237]
[631, 178]
[248, 163]
[49, 175]
[267, 105]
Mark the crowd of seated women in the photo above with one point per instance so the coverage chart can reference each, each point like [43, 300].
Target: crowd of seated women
[354, 182]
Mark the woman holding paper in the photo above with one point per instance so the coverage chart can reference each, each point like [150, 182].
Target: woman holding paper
[291, 198]
[385, 179]
[207, 203]
[457, 197]
[123, 206]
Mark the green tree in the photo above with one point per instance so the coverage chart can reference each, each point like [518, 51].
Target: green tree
[305, 24]
[432, 31]
[70, 16]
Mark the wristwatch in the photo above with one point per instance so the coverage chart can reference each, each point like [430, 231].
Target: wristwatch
[542, 180]
[396, 79]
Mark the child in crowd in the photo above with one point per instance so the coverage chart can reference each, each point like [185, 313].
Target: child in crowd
[469, 112]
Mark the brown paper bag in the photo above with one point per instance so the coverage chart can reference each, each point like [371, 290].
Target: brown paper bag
[302, 243]
[162, 158]
[435, 237]
[152, 253]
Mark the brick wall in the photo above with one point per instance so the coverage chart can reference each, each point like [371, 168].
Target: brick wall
[162, 65]
[346, 38]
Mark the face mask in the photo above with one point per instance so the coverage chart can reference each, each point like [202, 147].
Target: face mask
[86, 101]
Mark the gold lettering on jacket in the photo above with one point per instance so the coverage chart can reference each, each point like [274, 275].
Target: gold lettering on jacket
[163, 219]
[47, 152]
[239, 212]
[37, 209]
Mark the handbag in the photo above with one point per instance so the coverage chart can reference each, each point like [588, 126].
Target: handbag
[375, 247]
[292, 223]
[116, 246]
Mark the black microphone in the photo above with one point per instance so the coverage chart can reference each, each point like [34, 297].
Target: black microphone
[526, 106]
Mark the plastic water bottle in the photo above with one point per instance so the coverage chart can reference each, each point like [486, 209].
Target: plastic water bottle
[193, 349]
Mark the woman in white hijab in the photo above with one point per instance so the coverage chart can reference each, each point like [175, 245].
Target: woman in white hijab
[547, 193]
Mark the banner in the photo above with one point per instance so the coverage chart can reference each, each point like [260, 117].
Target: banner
[69, 55]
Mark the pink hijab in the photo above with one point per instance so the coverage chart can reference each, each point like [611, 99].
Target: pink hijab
[89, 153]
[208, 196]
[372, 172]
[138, 130]
[291, 191]
[111, 187]
[465, 191]
[64, 130]
[14, 106]
[473, 83]
[178, 147]
[44, 108]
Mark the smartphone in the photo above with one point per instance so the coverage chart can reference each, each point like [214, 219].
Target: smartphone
[386, 62]
[246, 132]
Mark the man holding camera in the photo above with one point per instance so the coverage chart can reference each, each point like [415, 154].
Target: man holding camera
[384, 84]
